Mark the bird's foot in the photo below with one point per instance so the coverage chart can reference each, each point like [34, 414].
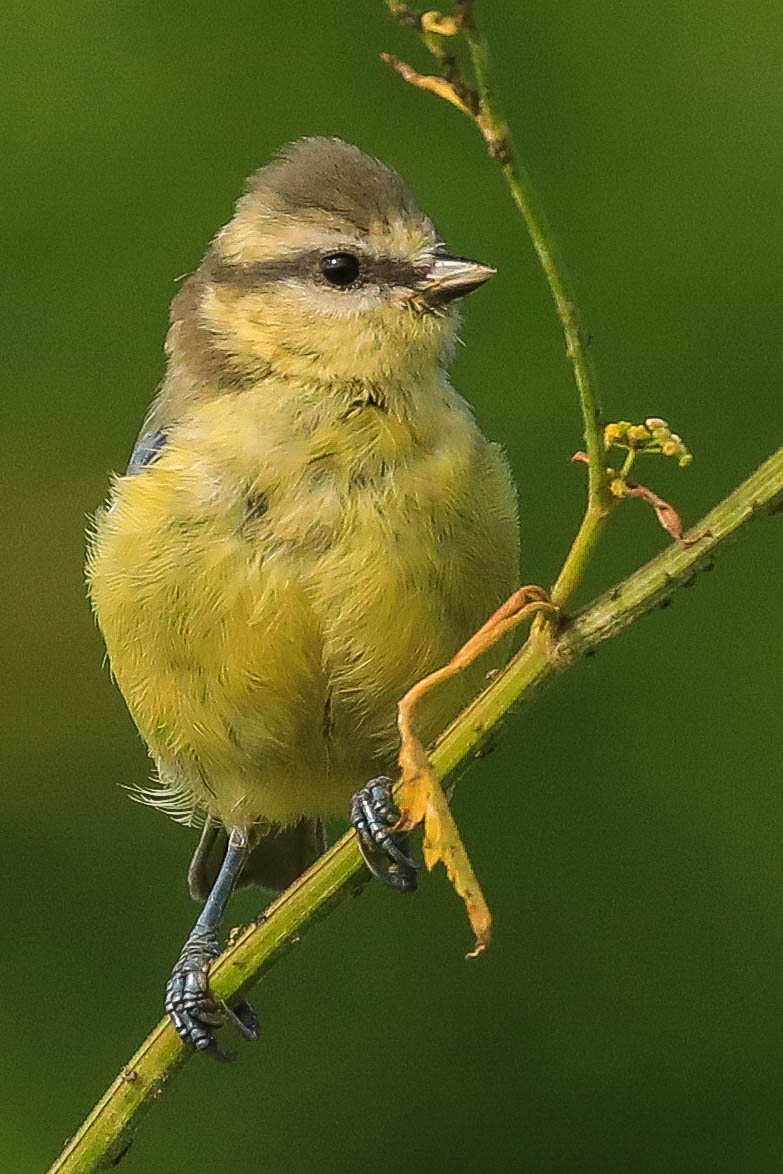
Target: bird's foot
[192, 1009]
[374, 814]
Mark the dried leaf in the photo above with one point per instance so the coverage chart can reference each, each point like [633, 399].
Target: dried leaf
[444, 26]
[666, 514]
[434, 84]
[443, 842]
[422, 799]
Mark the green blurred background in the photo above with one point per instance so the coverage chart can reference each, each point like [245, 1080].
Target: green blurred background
[629, 827]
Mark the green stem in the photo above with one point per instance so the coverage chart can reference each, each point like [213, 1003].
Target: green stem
[628, 463]
[575, 343]
[110, 1126]
[498, 138]
[578, 556]
[599, 501]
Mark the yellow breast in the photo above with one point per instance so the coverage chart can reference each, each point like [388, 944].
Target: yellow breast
[271, 584]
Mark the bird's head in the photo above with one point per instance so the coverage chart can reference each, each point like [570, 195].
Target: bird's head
[328, 272]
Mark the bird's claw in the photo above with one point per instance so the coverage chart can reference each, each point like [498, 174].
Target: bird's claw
[243, 1018]
[385, 852]
[191, 1007]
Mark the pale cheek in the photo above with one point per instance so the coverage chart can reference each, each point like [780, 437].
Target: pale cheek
[336, 304]
[351, 333]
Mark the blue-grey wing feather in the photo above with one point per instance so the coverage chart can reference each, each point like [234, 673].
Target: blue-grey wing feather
[148, 447]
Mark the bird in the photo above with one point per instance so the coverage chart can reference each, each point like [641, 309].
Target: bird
[311, 520]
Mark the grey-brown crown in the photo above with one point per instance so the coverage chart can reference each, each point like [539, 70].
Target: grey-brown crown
[329, 174]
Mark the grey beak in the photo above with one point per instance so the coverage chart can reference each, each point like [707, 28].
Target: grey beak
[452, 277]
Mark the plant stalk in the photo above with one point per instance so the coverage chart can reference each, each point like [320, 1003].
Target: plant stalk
[109, 1128]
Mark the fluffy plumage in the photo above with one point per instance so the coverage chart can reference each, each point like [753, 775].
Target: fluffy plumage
[312, 520]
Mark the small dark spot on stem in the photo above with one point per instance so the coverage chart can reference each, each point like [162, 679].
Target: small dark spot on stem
[471, 100]
[450, 67]
[664, 604]
[500, 150]
[465, 14]
[116, 1160]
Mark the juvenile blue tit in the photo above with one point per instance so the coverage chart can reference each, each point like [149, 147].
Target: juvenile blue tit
[310, 522]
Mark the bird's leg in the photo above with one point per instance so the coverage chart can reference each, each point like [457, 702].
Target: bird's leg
[189, 1004]
[199, 873]
[380, 825]
[374, 814]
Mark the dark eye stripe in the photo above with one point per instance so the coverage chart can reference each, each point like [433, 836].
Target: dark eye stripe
[386, 271]
[305, 266]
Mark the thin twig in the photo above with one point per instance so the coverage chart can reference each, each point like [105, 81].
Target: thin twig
[435, 85]
[480, 105]
[110, 1126]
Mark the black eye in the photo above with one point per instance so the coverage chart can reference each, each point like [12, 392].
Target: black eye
[340, 268]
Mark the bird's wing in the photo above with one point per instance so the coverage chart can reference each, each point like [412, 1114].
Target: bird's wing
[146, 449]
